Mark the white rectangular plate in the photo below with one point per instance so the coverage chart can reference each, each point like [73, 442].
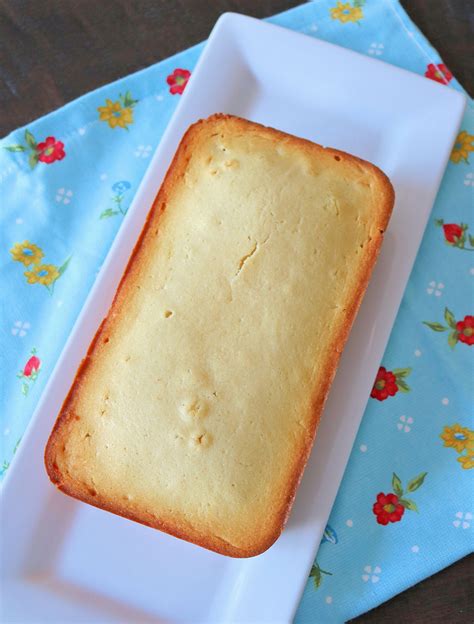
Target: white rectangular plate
[64, 561]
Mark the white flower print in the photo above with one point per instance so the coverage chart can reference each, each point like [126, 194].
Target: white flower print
[463, 519]
[143, 151]
[63, 196]
[372, 574]
[376, 49]
[405, 423]
[469, 179]
[20, 328]
[436, 288]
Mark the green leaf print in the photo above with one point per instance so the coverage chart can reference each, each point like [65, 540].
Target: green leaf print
[108, 213]
[64, 266]
[416, 482]
[435, 326]
[409, 504]
[33, 159]
[316, 573]
[449, 318]
[402, 386]
[397, 485]
[453, 339]
[401, 372]
[15, 148]
[30, 139]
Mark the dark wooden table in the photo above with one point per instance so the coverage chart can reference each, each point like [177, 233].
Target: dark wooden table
[52, 51]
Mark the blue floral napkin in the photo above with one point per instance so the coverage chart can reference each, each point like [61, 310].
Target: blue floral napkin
[66, 181]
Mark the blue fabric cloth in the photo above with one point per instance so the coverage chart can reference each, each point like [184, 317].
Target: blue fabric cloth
[63, 201]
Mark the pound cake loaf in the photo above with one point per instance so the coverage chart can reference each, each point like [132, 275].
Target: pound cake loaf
[197, 404]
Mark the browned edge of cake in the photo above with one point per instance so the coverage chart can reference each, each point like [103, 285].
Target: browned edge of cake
[174, 174]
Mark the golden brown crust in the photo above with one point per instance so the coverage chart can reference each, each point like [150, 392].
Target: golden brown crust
[151, 230]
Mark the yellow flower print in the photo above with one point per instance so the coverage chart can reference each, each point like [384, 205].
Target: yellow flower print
[463, 146]
[27, 253]
[346, 12]
[30, 255]
[457, 437]
[115, 114]
[467, 460]
[45, 274]
[118, 114]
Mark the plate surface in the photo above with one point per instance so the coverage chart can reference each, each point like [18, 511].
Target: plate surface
[64, 561]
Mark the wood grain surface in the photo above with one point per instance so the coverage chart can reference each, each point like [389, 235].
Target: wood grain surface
[52, 51]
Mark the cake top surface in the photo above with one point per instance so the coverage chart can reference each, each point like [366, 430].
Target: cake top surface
[198, 402]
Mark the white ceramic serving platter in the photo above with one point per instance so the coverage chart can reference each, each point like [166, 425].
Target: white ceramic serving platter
[64, 561]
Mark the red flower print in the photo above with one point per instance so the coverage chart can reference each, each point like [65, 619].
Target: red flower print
[388, 509]
[452, 232]
[388, 383]
[30, 372]
[50, 150]
[391, 507]
[385, 385]
[457, 235]
[440, 73]
[459, 331]
[465, 330]
[178, 80]
[32, 366]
